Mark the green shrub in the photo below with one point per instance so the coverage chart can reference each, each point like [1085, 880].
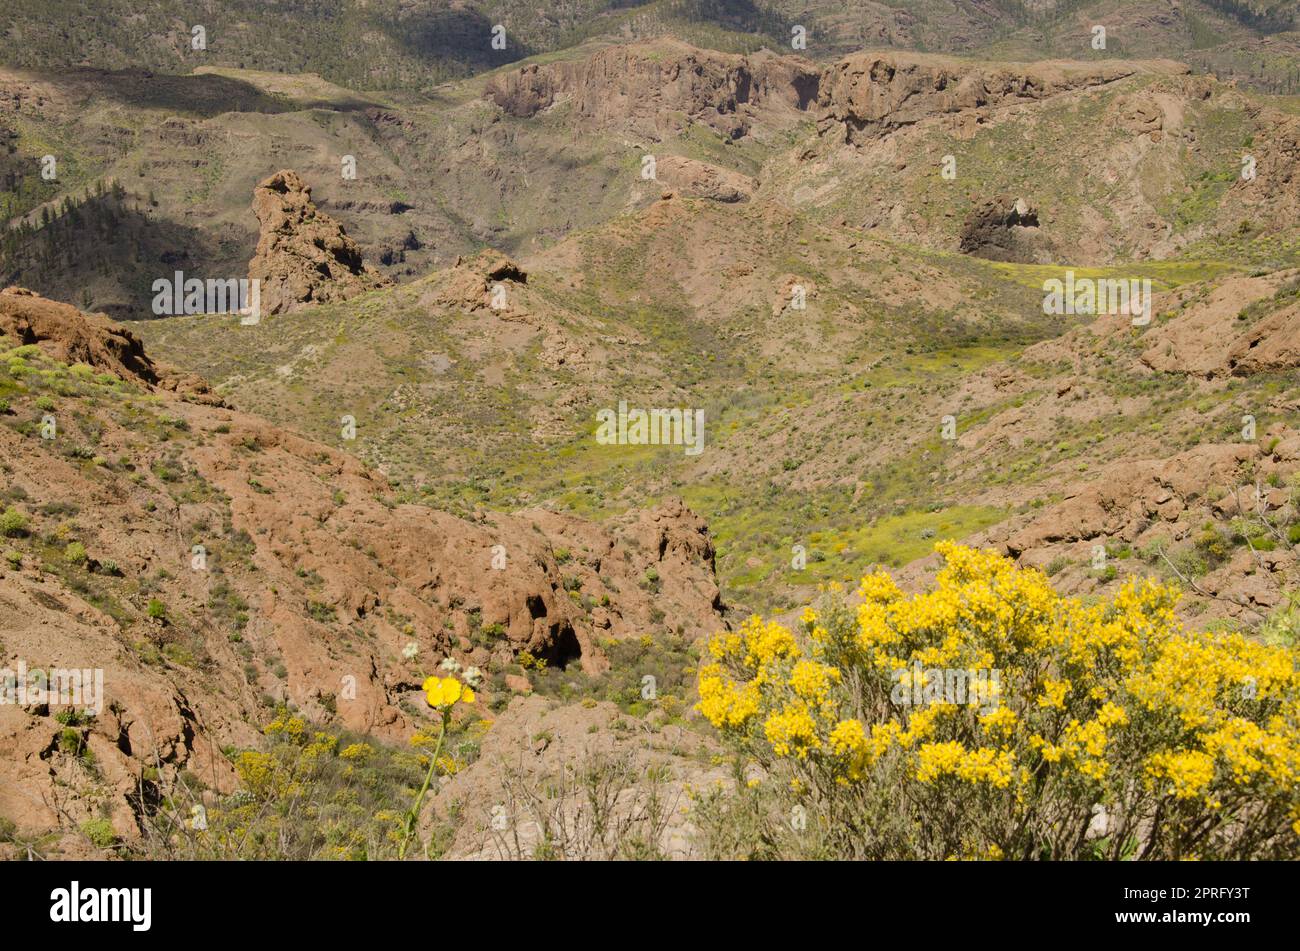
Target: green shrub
[178, 654]
[322, 613]
[1213, 546]
[100, 833]
[1283, 625]
[75, 553]
[13, 523]
[311, 792]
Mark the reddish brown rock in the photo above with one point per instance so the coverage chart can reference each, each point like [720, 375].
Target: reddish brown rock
[471, 282]
[330, 577]
[868, 94]
[642, 85]
[70, 336]
[518, 683]
[303, 255]
[702, 180]
[1214, 335]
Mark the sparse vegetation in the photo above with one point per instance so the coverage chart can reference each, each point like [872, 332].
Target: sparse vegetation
[388, 479]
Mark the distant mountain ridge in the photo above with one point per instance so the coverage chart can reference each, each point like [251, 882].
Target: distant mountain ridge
[386, 44]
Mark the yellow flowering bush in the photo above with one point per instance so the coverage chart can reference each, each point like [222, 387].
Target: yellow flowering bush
[308, 794]
[1103, 731]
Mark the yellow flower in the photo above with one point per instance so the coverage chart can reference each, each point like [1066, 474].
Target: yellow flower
[723, 703]
[813, 682]
[848, 738]
[445, 692]
[972, 766]
[358, 751]
[1054, 692]
[880, 588]
[938, 759]
[257, 771]
[1112, 715]
[1189, 771]
[1113, 692]
[1003, 718]
[293, 727]
[792, 731]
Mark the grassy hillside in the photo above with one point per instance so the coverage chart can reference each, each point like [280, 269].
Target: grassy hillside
[463, 407]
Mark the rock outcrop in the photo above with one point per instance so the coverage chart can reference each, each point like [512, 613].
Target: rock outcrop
[70, 336]
[480, 281]
[642, 85]
[868, 94]
[702, 180]
[303, 255]
[1219, 334]
[1153, 505]
[1003, 230]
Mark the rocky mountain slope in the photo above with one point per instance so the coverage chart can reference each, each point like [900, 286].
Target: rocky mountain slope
[154, 172]
[855, 369]
[414, 45]
[836, 257]
[212, 564]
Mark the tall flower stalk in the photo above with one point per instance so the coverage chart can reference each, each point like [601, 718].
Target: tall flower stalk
[441, 693]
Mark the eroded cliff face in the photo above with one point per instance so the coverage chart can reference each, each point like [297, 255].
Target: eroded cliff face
[866, 94]
[652, 86]
[71, 336]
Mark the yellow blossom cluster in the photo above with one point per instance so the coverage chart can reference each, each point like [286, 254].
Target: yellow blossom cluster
[442, 693]
[973, 766]
[1106, 702]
